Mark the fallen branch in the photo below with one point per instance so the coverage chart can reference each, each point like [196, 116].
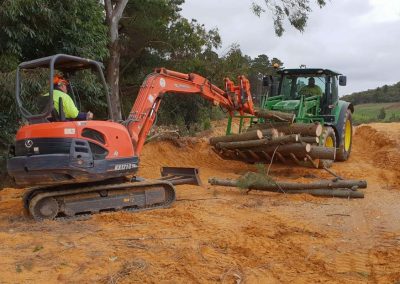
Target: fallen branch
[335, 188]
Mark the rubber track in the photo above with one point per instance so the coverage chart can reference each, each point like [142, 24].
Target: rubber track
[54, 191]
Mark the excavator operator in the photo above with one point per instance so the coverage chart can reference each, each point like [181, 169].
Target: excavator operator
[70, 110]
[311, 89]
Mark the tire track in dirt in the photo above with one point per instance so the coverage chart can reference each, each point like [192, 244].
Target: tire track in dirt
[377, 153]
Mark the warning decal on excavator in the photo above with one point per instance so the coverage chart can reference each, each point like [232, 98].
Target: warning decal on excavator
[163, 83]
[182, 86]
[69, 131]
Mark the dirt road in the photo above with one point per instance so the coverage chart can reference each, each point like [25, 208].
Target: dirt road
[217, 234]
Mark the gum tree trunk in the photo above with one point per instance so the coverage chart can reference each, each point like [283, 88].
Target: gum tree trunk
[113, 16]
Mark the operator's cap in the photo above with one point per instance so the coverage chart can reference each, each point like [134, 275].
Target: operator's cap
[59, 80]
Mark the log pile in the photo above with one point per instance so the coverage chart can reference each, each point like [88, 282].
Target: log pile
[275, 141]
[331, 188]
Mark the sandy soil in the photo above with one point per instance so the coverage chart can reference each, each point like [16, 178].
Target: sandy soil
[218, 234]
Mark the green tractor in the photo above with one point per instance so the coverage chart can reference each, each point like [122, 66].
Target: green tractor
[312, 95]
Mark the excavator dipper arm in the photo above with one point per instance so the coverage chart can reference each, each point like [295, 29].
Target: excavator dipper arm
[162, 81]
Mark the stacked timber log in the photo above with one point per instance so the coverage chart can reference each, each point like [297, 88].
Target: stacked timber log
[334, 188]
[298, 142]
[278, 139]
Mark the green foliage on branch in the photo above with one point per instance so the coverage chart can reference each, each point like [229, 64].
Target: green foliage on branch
[31, 29]
[36, 28]
[295, 11]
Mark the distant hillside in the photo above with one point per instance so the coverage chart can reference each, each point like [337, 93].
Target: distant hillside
[379, 112]
[385, 94]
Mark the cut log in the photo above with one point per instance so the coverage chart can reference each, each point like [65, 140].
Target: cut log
[258, 143]
[270, 133]
[242, 144]
[310, 139]
[298, 149]
[322, 184]
[320, 152]
[251, 135]
[284, 140]
[276, 115]
[268, 125]
[305, 129]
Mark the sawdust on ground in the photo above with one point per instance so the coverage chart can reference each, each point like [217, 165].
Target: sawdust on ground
[218, 234]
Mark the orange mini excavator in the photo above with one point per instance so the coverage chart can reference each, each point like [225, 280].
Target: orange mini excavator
[82, 167]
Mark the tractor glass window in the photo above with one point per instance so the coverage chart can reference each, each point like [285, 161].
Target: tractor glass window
[334, 88]
[310, 86]
[286, 87]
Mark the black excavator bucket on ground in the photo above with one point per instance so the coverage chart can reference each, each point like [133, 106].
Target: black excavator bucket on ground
[178, 175]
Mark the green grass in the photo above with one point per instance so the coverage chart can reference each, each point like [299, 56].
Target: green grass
[369, 112]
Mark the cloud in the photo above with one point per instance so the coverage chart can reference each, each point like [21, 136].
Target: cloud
[356, 37]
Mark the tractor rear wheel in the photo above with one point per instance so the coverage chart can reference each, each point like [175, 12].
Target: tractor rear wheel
[328, 139]
[344, 149]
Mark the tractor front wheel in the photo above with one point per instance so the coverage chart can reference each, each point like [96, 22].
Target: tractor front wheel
[328, 139]
[344, 149]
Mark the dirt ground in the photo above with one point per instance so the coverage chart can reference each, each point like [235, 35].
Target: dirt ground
[218, 234]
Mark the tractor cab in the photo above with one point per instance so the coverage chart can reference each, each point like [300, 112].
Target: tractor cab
[35, 89]
[312, 93]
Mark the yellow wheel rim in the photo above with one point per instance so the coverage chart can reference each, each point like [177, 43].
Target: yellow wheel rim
[347, 136]
[329, 142]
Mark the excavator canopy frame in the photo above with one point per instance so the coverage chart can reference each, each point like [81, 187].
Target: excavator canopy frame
[64, 63]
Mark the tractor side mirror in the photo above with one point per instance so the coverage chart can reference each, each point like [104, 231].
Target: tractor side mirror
[342, 80]
[266, 81]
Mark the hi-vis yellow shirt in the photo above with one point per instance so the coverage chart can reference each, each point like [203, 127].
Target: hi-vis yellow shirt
[311, 91]
[69, 107]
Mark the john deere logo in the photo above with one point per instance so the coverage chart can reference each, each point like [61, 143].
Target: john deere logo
[28, 143]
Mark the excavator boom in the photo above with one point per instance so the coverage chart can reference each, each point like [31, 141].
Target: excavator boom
[163, 81]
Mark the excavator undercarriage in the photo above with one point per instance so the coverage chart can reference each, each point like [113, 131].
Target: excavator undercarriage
[71, 200]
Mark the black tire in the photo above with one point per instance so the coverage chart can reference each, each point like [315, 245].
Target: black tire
[328, 139]
[346, 140]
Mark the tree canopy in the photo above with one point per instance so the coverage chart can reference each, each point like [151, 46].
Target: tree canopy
[384, 94]
[150, 33]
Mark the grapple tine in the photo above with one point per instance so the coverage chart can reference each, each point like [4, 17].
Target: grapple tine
[179, 175]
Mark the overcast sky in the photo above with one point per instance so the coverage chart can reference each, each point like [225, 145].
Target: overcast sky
[359, 38]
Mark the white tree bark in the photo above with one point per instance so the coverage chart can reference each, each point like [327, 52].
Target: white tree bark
[113, 16]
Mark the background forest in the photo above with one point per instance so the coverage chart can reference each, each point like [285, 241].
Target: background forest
[151, 34]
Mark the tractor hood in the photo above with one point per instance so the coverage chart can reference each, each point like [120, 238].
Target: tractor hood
[287, 106]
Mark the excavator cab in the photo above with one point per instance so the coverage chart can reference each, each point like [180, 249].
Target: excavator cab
[36, 74]
[50, 149]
